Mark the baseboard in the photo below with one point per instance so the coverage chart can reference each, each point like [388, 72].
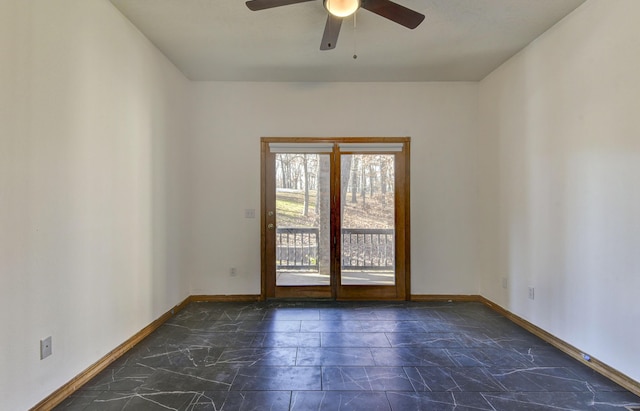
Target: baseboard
[69, 388]
[593, 363]
[445, 297]
[240, 298]
[79, 380]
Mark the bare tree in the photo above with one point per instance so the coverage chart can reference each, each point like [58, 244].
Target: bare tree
[323, 202]
[345, 174]
[372, 177]
[305, 211]
[383, 179]
[354, 180]
[363, 185]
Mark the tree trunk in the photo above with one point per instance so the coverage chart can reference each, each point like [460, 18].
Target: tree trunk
[305, 211]
[383, 179]
[354, 181]
[372, 179]
[283, 183]
[324, 214]
[363, 185]
[345, 174]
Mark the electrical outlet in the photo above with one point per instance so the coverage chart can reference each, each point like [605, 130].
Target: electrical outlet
[532, 293]
[233, 272]
[505, 282]
[250, 213]
[45, 348]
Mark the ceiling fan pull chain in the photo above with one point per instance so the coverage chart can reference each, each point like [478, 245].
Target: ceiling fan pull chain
[355, 39]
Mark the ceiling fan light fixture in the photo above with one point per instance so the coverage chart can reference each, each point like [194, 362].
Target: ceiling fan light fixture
[342, 8]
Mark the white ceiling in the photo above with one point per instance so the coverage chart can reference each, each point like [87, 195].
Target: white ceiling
[222, 40]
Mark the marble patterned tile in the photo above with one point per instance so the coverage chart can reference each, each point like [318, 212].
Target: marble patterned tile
[284, 314]
[540, 379]
[277, 379]
[216, 378]
[240, 401]
[398, 313]
[546, 356]
[464, 379]
[487, 357]
[286, 340]
[218, 326]
[79, 400]
[220, 339]
[406, 356]
[351, 314]
[121, 378]
[509, 340]
[339, 401]
[334, 356]
[328, 355]
[230, 326]
[431, 339]
[595, 381]
[354, 340]
[193, 339]
[140, 401]
[175, 356]
[206, 401]
[393, 326]
[365, 379]
[569, 401]
[439, 401]
[292, 326]
[249, 357]
[438, 326]
[241, 314]
[331, 326]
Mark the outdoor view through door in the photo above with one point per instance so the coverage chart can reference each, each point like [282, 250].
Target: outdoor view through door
[303, 217]
[367, 216]
[335, 218]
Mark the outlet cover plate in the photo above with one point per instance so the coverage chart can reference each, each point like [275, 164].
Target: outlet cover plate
[45, 348]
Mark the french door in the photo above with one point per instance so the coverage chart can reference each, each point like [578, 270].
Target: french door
[335, 218]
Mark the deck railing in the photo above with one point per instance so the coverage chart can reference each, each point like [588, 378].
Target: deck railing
[297, 249]
[367, 249]
[362, 249]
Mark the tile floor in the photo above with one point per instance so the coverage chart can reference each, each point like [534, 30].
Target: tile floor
[346, 356]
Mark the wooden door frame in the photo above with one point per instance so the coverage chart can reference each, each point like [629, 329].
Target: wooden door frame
[402, 289]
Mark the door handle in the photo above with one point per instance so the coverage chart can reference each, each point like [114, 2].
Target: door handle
[270, 226]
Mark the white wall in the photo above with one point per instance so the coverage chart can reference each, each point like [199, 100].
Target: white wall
[561, 173]
[123, 186]
[90, 130]
[230, 118]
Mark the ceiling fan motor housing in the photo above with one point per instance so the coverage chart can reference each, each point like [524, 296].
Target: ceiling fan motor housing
[341, 8]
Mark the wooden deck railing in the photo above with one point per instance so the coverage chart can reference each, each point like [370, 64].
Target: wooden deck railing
[362, 249]
[297, 249]
[367, 249]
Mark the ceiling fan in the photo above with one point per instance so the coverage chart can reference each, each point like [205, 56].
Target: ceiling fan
[339, 9]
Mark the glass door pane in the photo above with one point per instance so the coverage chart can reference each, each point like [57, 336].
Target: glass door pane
[302, 219]
[367, 219]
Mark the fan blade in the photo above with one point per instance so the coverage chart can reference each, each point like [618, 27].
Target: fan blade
[394, 12]
[331, 32]
[255, 5]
